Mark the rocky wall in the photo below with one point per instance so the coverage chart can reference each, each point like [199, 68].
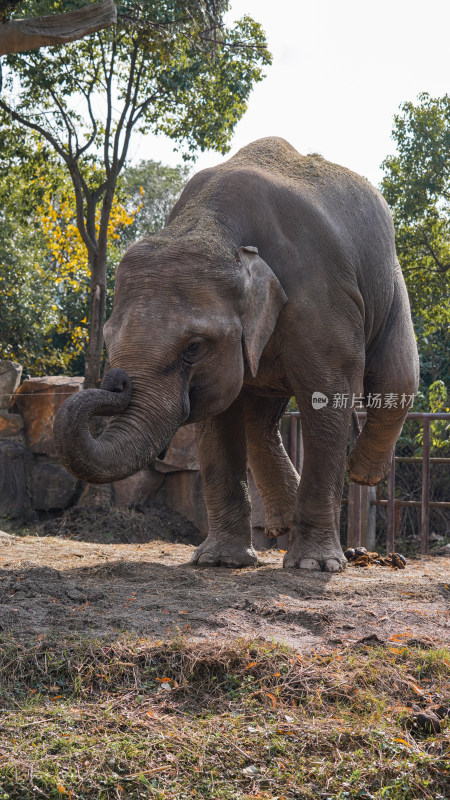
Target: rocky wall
[33, 481]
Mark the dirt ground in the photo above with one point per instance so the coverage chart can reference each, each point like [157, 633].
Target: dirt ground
[105, 587]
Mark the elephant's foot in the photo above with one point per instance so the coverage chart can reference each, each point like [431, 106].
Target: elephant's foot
[368, 471]
[317, 549]
[214, 552]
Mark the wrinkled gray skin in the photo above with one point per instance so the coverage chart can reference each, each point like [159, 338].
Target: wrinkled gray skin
[275, 276]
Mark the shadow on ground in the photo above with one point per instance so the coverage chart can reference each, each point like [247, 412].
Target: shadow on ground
[54, 585]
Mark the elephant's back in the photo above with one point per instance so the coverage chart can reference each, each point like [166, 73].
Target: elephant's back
[275, 157]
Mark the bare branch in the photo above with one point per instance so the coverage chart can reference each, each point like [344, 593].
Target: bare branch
[108, 83]
[87, 94]
[38, 128]
[71, 130]
[126, 104]
[441, 267]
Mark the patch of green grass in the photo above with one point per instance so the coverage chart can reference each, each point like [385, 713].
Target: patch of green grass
[96, 720]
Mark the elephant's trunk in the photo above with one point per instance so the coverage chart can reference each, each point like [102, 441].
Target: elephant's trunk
[129, 442]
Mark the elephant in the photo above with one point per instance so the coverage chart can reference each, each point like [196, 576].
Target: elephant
[276, 276]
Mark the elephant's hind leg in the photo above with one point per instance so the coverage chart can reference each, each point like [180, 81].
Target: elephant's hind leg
[391, 379]
[274, 475]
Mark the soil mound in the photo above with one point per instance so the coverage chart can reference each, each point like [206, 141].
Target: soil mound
[121, 526]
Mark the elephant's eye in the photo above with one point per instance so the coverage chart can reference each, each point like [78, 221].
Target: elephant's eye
[192, 351]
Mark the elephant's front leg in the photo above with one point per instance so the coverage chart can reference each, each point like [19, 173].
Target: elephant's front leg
[222, 447]
[315, 540]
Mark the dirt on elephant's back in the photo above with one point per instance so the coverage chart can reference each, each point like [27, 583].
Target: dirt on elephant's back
[53, 585]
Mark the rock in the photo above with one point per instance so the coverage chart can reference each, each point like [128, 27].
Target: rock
[10, 374]
[442, 711]
[38, 400]
[371, 639]
[441, 551]
[182, 452]
[422, 643]
[252, 771]
[182, 492]
[76, 595]
[11, 425]
[7, 538]
[137, 489]
[52, 487]
[15, 462]
[97, 495]
[425, 722]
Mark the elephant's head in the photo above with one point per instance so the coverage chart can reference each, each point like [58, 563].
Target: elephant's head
[182, 327]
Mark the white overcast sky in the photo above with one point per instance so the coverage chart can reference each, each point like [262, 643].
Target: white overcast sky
[340, 70]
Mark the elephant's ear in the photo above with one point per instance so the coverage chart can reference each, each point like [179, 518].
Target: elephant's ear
[265, 298]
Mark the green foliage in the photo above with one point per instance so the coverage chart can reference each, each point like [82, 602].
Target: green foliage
[44, 274]
[183, 71]
[154, 189]
[26, 291]
[6, 9]
[417, 187]
[167, 66]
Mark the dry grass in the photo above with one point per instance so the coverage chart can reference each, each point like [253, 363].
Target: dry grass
[134, 719]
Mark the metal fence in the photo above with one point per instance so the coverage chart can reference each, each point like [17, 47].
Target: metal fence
[295, 450]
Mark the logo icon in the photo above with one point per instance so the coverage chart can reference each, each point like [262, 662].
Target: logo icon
[319, 400]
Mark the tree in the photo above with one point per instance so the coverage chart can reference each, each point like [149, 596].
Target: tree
[68, 267]
[167, 66]
[44, 270]
[25, 34]
[26, 296]
[154, 188]
[417, 187]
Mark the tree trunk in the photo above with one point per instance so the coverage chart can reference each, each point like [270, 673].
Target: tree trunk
[28, 34]
[98, 263]
[93, 358]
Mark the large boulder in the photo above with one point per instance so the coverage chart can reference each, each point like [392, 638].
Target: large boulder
[11, 425]
[138, 488]
[99, 495]
[182, 453]
[10, 374]
[51, 486]
[15, 461]
[38, 400]
[182, 492]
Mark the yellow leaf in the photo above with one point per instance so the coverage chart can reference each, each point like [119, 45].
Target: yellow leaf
[273, 699]
[403, 741]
